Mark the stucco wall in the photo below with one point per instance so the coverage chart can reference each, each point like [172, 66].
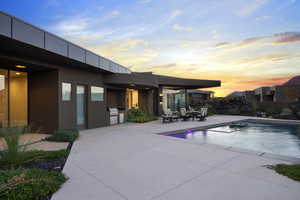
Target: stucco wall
[96, 111]
[43, 100]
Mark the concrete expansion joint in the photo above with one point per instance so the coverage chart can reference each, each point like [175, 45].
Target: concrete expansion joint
[102, 182]
[195, 177]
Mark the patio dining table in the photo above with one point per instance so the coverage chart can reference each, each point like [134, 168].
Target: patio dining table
[193, 114]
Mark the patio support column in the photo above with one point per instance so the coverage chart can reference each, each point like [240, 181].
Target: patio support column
[159, 91]
[186, 98]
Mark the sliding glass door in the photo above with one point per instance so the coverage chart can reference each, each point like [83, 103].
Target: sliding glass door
[132, 98]
[13, 98]
[3, 98]
[81, 106]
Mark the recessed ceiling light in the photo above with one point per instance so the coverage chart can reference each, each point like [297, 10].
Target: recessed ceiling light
[21, 66]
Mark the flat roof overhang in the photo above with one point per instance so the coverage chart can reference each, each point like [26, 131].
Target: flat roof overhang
[40, 44]
[184, 83]
[20, 53]
[133, 80]
[136, 79]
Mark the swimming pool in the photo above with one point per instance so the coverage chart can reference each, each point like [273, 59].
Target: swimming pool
[263, 137]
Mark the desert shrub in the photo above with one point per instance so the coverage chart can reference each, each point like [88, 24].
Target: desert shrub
[31, 156]
[32, 128]
[30, 184]
[295, 107]
[210, 110]
[64, 135]
[232, 111]
[273, 109]
[13, 151]
[270, 108]
[139, 116]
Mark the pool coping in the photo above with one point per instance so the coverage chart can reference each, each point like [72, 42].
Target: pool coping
[293, 160]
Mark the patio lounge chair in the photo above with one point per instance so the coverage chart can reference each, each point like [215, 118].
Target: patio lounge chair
[174, 115]
[202, 115]
[169, 116]
[191, 109]
[184, 115]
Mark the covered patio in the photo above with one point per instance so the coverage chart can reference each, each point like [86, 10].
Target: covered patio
[147, 90]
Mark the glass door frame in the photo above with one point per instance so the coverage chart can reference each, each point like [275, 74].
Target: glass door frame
[85, 111]
[7, 116]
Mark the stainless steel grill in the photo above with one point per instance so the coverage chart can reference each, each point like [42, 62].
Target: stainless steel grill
[113, 111]
[114, 116]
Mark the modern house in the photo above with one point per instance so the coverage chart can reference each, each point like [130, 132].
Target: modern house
[278, 94]
[52, 83]
[285, 93]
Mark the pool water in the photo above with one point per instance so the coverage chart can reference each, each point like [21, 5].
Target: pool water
[276, 139]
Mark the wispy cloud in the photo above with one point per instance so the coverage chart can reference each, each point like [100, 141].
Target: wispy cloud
[129, 52]
[222, 44]
[267, 81]
[265, 58]
[182, 28]
[251, 6]
[52, 3]
[286, 37]
[158, 68]
[193, 43]
[215, 34]
[263, 18]
[144, 1]
[174, 14]
[279, 38]
[110, 15]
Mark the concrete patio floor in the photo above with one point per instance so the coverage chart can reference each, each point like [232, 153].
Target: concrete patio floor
[130, 161]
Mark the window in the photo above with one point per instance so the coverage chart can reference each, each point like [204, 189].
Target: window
[66, 91]
[97, 93]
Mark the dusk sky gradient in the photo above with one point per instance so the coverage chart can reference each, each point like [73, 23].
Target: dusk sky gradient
[244, 43]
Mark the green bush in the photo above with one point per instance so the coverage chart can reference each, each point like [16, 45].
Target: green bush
[31, 156]
[64, 135]
[210, 110]
[139, 116]
[232, 111]
[291, 171]
[30, 184]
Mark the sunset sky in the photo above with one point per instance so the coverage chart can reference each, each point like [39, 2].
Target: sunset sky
[244, 43]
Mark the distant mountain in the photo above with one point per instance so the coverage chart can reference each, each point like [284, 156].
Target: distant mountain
[235, 94]
[293, 81]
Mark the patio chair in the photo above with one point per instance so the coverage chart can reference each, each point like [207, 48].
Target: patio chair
[169, 116]
[190, 108]
[202, 115]
[166, 117]
[184, 115]
[174, 115]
